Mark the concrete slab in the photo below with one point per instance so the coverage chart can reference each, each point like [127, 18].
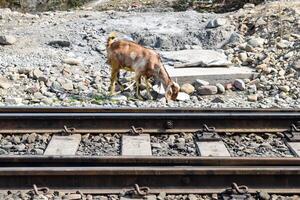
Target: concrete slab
[212, 148]
[294, 147]
[63, 145]
[212, 74]
[196, 58]
[136, 145]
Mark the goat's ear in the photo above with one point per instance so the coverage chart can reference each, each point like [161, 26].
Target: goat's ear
[112, 35]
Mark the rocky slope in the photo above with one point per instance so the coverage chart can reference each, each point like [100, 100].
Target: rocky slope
[58, 58]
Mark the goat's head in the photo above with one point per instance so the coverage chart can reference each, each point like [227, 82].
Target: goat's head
[172, 91]
[111, 37]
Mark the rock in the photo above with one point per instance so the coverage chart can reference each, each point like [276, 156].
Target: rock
[20, 147]
[192, 197]
[67, 85]
[198, 83]
[13, 100]
[249, 6]
[37, 73]
[284, 88]
[218, 100]
[252, 98]
[243, 56]
[4, 83]
[239, 84]
[187, 88]
[31, 138]
[296, 64]
[252, 89]
[221, 88]
[207, 90]
[119, 98]
[159, 89]
[216, 23]
[182, 96]
[283, 44]
[59, 43]
[72, 196]
[56, 87]
[256, 42]
[7, 40]
[72, 61]
[264, 195]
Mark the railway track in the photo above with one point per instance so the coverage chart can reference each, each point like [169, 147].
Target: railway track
[211, 170]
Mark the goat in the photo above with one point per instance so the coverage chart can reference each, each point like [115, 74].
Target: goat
[128, 55]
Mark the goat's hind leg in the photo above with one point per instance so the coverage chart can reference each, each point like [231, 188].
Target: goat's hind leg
[113, 79]
[137, 83]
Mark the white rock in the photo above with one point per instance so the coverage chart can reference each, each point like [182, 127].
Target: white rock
[216, 23]
[256, 42]
[221, 88]
[7, 40]
[13, 100]
[159, 89]
[199, 83]
[119, 98]
[182, 96]
[5, 83]
[239, 84]
[72, 61]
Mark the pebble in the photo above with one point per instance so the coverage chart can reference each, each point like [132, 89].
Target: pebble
[5, 83]
[60, 43]
[182, 96]
[239, 84]
[118, 98]
[7, 40]
[187, 88]
[284, 88]
[198, 83]
[264, 195]
[207, 90]
[256, 42]
[216, 23]
[72, 61]
[221, 88]
[13, 100]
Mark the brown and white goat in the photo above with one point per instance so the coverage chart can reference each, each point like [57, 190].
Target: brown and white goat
[128, 55]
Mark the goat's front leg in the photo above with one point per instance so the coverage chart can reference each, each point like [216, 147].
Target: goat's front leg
[148, 86]
[113, 79]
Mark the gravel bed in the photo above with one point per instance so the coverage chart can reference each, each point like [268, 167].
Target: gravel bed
[256, 145]
[55, 195]
[66, 65]
[173, 145]
[99, 145]
[27, 144]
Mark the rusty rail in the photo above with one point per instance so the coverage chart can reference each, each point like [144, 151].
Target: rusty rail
[51, 120]
[169, 174]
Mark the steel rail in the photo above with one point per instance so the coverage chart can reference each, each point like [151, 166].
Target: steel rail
[57, 161]
[176, 178]
[52, 120]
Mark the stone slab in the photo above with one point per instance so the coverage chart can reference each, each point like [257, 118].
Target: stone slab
[136, 145]
[212, 148]
[149, 197]
[294, 147]
[196, 58]
[213, 74]
[63, 145]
